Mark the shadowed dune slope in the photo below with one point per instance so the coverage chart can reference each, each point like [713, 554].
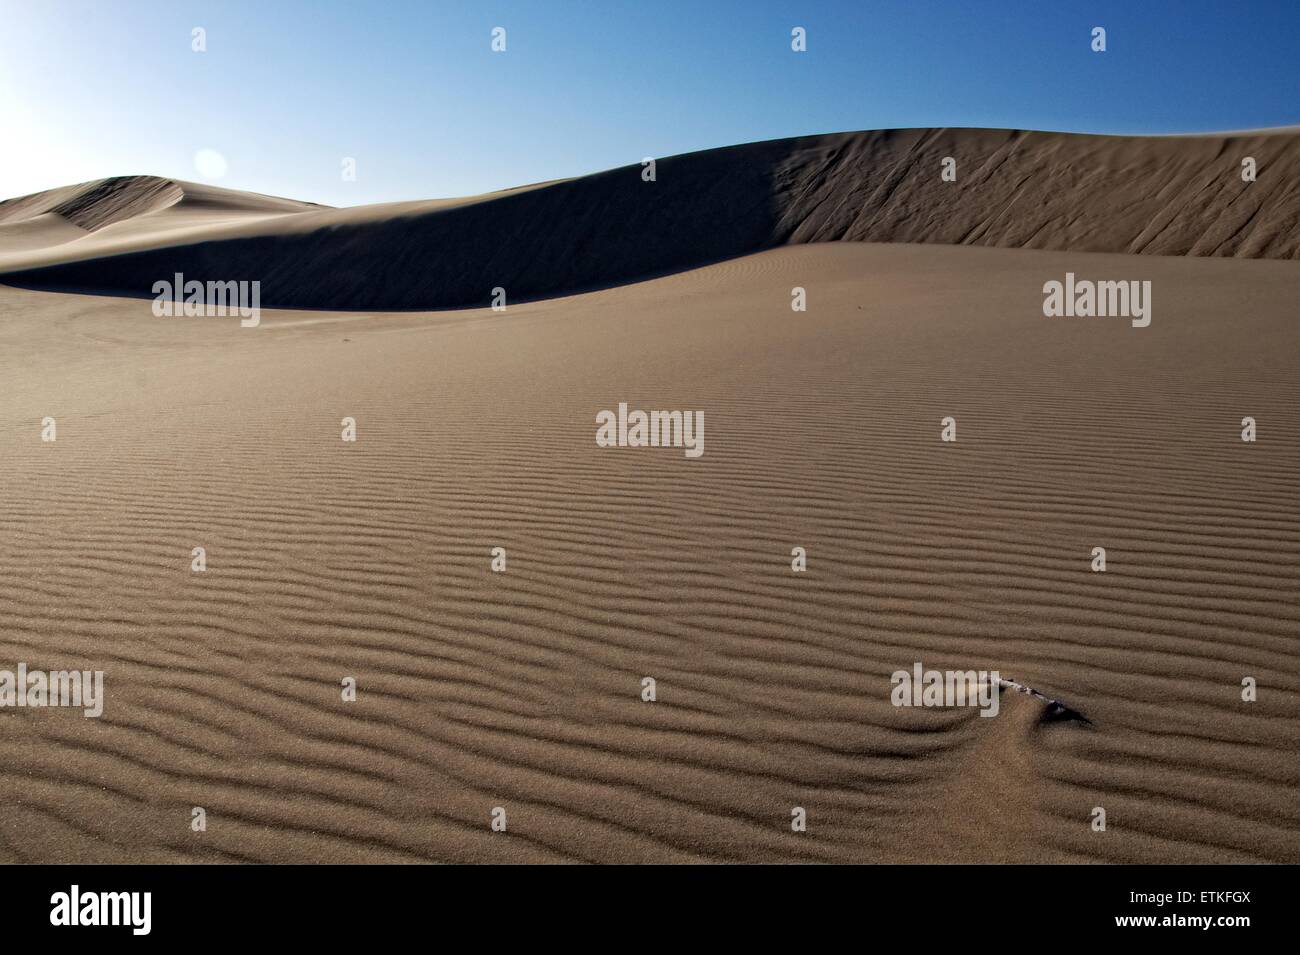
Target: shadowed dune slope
[1032, 190]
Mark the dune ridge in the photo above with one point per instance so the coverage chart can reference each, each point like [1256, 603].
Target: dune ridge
[104, 217]
[1161, 195]
[93, 205]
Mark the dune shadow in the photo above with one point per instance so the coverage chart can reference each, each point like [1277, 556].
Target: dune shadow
[635, 222]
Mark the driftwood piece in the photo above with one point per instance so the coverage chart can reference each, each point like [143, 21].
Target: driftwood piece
[1055, 711]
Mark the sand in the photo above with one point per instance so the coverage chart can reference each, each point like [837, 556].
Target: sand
[1014, 189]
[522, 689]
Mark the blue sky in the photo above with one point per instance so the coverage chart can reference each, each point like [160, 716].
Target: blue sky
[413, 92]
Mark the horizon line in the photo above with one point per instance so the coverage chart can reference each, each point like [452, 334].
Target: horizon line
[1289, 129]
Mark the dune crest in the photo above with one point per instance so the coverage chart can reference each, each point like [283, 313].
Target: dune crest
[93, 205]
[97, 219]
[1163, 195]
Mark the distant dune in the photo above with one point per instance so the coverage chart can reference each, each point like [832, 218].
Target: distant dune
[1029, 190]
[95, 220]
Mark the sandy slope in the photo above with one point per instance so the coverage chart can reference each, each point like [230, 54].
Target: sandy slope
[522, 689]
[111, 216]
[1152, 195]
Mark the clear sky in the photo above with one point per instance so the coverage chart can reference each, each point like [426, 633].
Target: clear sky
[412, 90]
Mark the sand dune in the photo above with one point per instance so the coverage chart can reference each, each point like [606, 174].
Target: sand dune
[522, 689]
[93, 205]
[108, 216]
[1031, 190]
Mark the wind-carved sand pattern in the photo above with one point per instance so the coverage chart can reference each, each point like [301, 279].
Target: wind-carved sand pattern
[522, 689]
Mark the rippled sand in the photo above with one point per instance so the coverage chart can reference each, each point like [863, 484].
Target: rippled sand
[522, 689]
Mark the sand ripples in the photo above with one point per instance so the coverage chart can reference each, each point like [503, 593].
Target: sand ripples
[522, 689]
